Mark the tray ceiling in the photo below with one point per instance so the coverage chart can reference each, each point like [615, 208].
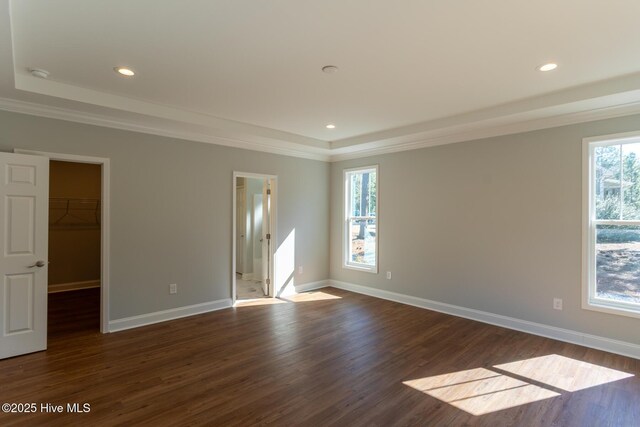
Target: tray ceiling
[411, 73]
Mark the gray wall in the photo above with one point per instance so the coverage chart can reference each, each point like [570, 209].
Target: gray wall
[492, 225]
[171, 209]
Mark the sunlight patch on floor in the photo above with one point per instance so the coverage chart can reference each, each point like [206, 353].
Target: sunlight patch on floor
[303, 297]
[563, 372]
[311, 296]
[480, 391]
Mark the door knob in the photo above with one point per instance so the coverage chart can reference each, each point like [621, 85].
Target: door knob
[39, 263]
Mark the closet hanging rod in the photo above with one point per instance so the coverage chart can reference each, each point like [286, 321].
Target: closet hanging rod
[78, 204]
[74, 199]
[73, 207]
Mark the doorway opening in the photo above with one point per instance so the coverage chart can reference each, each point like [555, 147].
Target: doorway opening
[254, 231]
[101, 217]
[74, 247]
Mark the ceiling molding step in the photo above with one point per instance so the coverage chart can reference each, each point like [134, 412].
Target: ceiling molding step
[481, 131]
[42, 110]
[605, 93]
[434, 138]
[62, 90]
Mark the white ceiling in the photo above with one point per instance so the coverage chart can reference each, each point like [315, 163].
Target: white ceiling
[250, 71]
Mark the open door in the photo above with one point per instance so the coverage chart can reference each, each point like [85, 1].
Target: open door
[24, 196]
[241, 227]
[258, 236]
[254, 215]
[266, 240]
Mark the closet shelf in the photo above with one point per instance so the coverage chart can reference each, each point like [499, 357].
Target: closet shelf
[74, 212]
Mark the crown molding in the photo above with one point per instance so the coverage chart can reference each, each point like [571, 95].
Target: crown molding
[482, 130]
[616, 91]
[50, 87]
[450, 135]
[51, 112]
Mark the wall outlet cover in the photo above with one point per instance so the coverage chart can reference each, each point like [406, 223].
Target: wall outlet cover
[557, 304]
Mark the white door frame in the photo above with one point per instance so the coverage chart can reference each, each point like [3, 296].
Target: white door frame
[104, 223]
[272, 225]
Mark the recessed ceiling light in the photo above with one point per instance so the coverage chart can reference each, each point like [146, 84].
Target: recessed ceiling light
[329, 69]
[330, 126]
[548, 67]
[127, 72]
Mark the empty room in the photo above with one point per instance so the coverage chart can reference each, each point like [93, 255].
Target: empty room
[320, 213]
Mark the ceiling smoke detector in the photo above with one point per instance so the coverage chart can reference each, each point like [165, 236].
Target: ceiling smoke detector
[39, 73]
[329, 69]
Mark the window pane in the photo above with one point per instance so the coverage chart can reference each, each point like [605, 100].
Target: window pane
[362, 243]
[618, 263]
[363, 194]
[607, 182]
[361, 213]
[372, 193]
[631, 181]
[355, 185]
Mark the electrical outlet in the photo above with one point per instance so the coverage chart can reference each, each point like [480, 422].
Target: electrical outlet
[557, 304]
[388, 275]
[300, 270]
[173, 288]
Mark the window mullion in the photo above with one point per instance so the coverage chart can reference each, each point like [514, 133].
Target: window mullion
[616, 222]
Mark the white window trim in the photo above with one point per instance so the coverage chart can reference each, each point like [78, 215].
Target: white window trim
[345, 221]
[589, 300]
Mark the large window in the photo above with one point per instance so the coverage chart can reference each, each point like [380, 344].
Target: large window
[612, 224]
[361, 219]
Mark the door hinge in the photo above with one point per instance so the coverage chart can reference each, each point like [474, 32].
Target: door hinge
[268, 236]
[268, 191]
[268, 282]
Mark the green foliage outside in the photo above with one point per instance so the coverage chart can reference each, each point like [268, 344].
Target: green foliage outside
[364, 183]
[617, 175]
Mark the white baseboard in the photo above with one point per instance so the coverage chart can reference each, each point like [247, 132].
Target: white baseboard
[306, 287]
[73, 286]
[593, 341]
[163, 316]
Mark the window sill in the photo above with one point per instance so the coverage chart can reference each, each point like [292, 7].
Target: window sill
[611, 308]
[373, 270]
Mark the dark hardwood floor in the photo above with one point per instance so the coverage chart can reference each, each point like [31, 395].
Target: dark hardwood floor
[329, 358]
[73, 313]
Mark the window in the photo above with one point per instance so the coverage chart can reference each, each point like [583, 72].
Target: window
[611, 235]
[361, 219]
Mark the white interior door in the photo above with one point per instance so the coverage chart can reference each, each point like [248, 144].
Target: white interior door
[257, 237]
[266, 233]
[24, 200]
[241, 214]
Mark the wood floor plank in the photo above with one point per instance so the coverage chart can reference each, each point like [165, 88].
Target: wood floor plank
[349, 360]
